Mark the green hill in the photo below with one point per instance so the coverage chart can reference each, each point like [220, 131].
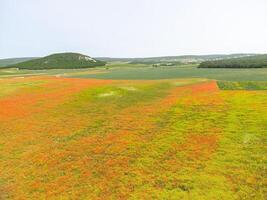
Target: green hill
[12, 61]
[257, 61]
[60, 61]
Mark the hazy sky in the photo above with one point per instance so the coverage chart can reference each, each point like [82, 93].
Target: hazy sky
[132, 28]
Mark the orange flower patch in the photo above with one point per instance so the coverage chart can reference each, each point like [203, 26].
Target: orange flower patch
[63, 140]
[49, 95]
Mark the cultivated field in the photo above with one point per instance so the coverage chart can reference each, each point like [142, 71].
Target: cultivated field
[125, 71]
[70, 138]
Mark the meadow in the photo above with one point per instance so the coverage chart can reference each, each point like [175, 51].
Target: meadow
[126, 71]
[71, 138]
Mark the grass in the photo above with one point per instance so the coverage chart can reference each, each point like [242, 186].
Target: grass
[63, 138]
[11, 86]
[174, 72]
[125, 71]
[245, 85]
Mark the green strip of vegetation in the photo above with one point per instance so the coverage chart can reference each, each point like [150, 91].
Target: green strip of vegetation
[242, 85]
[258, 61]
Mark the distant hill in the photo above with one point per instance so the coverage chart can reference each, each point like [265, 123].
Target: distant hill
[174, 59]
[60, 61]
[110, 59]
[12, 61]
[257, 61]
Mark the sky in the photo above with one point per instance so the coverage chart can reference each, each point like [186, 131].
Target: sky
[132, 28]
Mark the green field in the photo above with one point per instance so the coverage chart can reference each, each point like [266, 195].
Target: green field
[146, 73]
[120, 71]
[243, 85]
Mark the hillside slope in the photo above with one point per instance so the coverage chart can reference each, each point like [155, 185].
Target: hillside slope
[60, 61]
[258, 61]
[12, 61]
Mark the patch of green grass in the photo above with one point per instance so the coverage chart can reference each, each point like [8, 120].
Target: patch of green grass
[11, 87]
[244, 85]
[127, 72]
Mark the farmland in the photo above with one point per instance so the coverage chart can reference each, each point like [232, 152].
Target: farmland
[72, 138]
[125, 71]
[133, 100]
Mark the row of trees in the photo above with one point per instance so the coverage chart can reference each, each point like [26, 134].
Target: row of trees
[259, 61]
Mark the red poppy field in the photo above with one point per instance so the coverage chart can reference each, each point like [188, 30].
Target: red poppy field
[68, 138]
